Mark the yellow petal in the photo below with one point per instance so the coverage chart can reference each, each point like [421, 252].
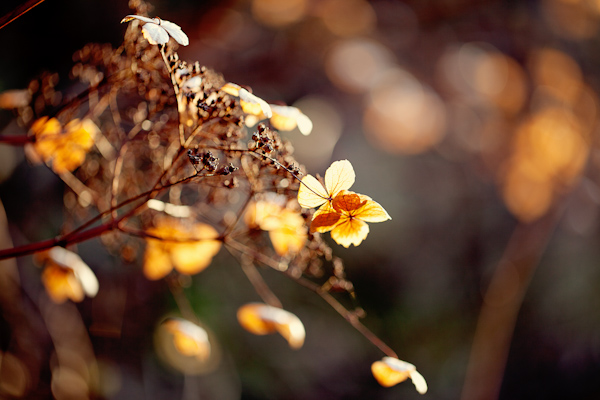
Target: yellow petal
[311, 193]
[61, 283]
[391, 371]
[173, 251]
[339, 176]
[189, 339]
[372, 211]
[231, 88]
[157, 263]
[252, 104]
[262, 319]
[387, 376]
[350, 231]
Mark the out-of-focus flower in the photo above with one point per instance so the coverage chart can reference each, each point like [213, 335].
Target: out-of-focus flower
[189, 339]
[285, 118]
[65, 147]
[250, 103]
[188, 249]
[157, 31]
[285, 226]
[347, 218]
[391, 371]
[262, 319]
[67, 276]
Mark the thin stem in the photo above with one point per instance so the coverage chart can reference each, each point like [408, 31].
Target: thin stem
[18, 11]
[16, 140]
[348, 315]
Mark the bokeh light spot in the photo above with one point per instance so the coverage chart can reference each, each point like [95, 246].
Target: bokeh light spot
[278, 13]
[355, 65]
[403, 116]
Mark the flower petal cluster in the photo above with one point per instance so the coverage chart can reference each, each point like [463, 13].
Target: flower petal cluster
[65, 148]
[189, 339]
[285, 225]
[340, 211]
[67, 276]
[171, 244]
[262, 319]
[157, 31]
[250, 103]
[391, 371]
[285, 118]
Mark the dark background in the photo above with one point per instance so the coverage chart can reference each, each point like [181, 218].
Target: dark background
[438, 163]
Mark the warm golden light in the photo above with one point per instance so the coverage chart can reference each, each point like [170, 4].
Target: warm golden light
[278, 13]
[403, 116]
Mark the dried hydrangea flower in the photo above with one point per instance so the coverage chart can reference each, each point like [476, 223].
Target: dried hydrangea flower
[157, 31]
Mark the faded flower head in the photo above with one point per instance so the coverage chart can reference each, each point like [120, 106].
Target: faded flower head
[157, 31]
[65, 148]
[67, 276]
[171, 244]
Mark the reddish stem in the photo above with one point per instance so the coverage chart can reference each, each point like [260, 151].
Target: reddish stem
[15, 140]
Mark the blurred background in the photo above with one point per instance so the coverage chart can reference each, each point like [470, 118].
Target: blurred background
[473, 122]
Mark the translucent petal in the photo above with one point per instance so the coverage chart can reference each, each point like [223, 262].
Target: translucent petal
[231, 88]
[154, 34]
[175, 31]
[348, 202]
[262, 319]
[189, 339]
[324, 222]
[305, 125]
[311, 193]
[339, 176]
[248, 97]
[372, 211]
[350, 231]
[387, 376]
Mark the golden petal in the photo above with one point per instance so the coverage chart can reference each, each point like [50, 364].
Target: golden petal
[311, 193]
[350, 231]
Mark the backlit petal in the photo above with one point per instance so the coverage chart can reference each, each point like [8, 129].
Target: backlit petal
[154, 34]
[262, 319]
[339, 176]
[372, 211]
[324, 222]
[189, 339]
[350, 231]
[311, 193]
[391, 371]
[175, 31]
[348, 202]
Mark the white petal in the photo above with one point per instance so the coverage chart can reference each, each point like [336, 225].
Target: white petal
[175, 31]
[305, 125]
[154, 34]
[250, 98]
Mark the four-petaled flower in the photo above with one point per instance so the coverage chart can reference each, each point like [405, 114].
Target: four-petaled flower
[340, 211]
[157, 31]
